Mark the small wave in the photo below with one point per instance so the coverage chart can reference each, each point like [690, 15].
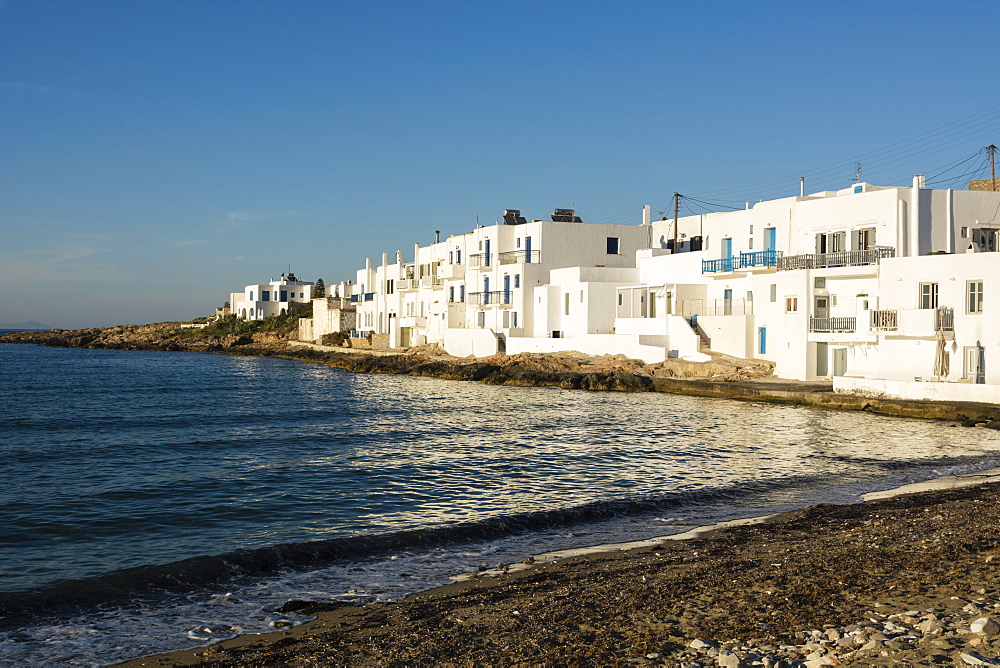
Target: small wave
[198, 573]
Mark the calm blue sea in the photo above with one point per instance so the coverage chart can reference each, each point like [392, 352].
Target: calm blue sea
[153, 501]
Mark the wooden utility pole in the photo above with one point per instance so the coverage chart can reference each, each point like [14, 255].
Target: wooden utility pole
[677, 211]
[991, 150]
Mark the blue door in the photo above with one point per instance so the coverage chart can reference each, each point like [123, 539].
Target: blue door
[771, 239]
[486, 283]
[506, 289]
[762, 340]
[527, 249]
[727, 254]
[487, 260]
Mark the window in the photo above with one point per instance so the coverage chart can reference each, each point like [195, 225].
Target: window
[506, 319]
[517, 280]
[864, 239]
[620, 300]
[965, 232]
[974, 297]
[514, 320]
[774, 292]
[831, 242]
[251, 296]
[451, 257]
[819, 283]
[986, 239]
[451, 293]
[612, 245]
[750, 243]
[791, 304]
[519, 242]
[566, 300]
[458, 257]
[461, 293]
[481, 318]
[265, 295]
[928, 295]
[390, 287]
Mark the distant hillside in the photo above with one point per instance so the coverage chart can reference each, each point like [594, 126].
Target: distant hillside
[30, 325]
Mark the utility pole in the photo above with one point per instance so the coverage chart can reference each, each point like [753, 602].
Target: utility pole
[991, 150]
[677, 211]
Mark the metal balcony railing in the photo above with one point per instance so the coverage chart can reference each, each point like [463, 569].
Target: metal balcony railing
[855, 258]
[885, 320]
[715, 266]
[480, 260]
[520, 256]
[842, 324]
[944, 319]
[369, 296]
[764, 258]
[492, 298]
[355, 299]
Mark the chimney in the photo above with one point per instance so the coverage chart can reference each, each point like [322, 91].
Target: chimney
[437, 236]
[913, 233]
[802, 186]
[645, 214]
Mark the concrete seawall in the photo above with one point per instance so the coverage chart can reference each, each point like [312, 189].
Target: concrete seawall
[810, 394]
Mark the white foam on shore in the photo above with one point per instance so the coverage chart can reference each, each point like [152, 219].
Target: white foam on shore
[943, 482]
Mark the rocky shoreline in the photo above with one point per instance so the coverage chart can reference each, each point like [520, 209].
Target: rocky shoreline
[908, 580]
[724, 377]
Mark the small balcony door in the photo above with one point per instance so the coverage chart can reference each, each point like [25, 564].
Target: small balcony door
[770, 242]
[822, 307]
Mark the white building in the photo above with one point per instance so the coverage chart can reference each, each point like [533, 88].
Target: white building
[859, 283]
[474, 292]
[259, 301]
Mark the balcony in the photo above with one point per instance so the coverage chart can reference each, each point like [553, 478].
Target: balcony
[481, 260]
[855, 258]
[884, 320]
[842, 324]
[452, 270]
[492, 298]
[764, 258]
[355, 299]
[369, 296]
[716, 266]
[919, 322]
[431, 282]
[520, 257]
[407, 284]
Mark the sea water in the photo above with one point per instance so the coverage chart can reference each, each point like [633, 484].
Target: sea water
[153, 501]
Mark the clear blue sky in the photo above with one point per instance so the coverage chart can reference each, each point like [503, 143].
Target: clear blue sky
[155, 156]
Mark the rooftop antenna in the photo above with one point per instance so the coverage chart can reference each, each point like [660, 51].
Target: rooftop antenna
[857, 172]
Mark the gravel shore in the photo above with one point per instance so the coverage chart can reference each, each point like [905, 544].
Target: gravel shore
[907, 580]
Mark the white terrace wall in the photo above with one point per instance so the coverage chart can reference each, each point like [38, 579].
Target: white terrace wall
[901, 389]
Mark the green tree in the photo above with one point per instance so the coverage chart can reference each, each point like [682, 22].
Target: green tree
[319, 288]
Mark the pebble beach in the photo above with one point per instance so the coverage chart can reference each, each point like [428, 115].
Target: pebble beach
[897, 580]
